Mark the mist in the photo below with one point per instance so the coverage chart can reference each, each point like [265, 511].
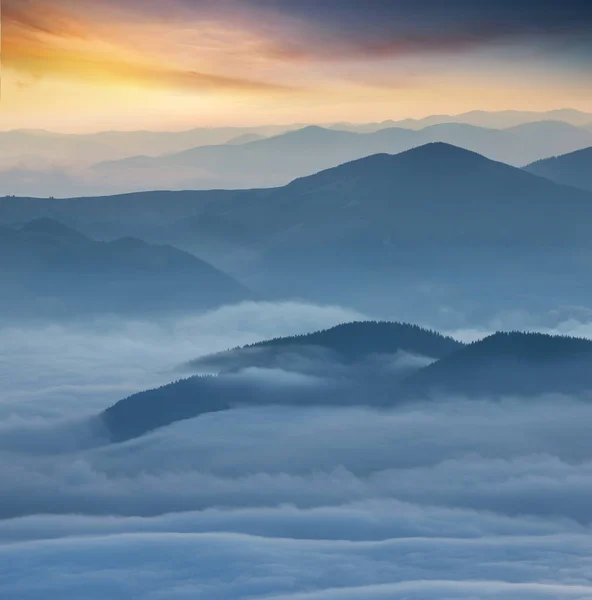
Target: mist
[455, 497]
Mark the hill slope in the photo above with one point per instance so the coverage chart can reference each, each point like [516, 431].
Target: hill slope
[573, 169]
[353, 363]
[436, 192]
[511, 363]
[504, 364]
[381, 228]
[347, 344]
[55, 270]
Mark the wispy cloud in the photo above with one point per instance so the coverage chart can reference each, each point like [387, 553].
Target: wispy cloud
[49, 41]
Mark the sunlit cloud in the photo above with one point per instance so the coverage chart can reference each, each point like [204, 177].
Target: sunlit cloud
[254, 61]
[42, 41]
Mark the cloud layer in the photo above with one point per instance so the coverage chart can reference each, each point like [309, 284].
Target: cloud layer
[291, 60]
[456, 498]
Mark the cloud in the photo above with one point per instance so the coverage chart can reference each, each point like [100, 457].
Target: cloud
[58, 370]
[337, 30]
[237, 566]
[449, 454]
[453, 498]
[205, 46]
[49, 40]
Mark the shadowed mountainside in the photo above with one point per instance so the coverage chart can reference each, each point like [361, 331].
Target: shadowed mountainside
[573, 169]
[503, 364]
[436, 216]
[326, 367]
[345, 344]
[48, 269]
[511, 363]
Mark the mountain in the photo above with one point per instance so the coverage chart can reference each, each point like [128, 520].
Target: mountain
[353, 363]
[494, 120]
[30, 148]
[436, 224]
[146, 411]
[573, 169]
[513, 364]
[436, 192]
[246, 138]
[48, 269]
[347, 344]
[503, 364]
[275, 161]
[565, 138]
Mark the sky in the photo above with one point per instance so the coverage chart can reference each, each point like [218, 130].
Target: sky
[84, 65]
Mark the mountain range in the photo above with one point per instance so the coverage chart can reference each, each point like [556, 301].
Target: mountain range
[48, 269]
[503, 364]
[494, 120]
[36, 148]
[435, 215]
[275, 161]
[326, 367]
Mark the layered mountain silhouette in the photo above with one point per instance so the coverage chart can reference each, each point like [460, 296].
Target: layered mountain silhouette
[480, 118]
[48, 269]
[275, 161]
[469, 227]
[472, 227]
[502, 365]
[435, 193]
[438, 177]
[34, 148]
[334, 366]
[573, 169]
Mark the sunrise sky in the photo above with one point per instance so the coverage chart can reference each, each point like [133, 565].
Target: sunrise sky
[88, 65]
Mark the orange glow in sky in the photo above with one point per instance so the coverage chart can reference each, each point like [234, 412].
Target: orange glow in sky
[84, 66]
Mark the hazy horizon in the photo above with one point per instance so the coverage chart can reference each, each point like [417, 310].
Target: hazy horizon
[403, 117]
[295, 300]
[67, 65]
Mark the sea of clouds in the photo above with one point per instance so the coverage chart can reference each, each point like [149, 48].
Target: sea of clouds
[458, 498]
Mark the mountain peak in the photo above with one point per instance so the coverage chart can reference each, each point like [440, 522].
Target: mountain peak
[441, 149]
[433, 158]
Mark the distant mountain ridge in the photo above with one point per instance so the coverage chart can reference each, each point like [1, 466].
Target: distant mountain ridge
[494, 119]
[435, 214]
[276, 160]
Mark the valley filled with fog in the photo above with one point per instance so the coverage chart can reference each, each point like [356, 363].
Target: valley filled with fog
[451, 496]
[295, 300]
[370, 381]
